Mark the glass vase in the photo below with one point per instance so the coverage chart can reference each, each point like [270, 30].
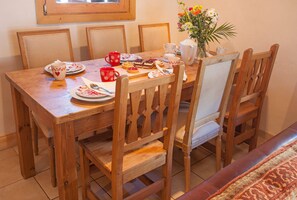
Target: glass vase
[201, 50]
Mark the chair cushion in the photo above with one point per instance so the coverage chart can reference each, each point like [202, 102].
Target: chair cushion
[201, 134]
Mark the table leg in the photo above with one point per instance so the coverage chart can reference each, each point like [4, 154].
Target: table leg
[24, 137]
[64, 142]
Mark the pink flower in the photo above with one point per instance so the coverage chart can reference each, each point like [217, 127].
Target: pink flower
[179, 25]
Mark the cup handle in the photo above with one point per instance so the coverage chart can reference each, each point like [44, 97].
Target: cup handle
[117, 74]
[106, 59]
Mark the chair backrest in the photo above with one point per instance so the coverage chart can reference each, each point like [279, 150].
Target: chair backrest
[153, 36]
[253, 79]
[104, 39]
[211, 91]
[39, 48]
[138, 120]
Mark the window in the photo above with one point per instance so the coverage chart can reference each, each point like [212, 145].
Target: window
[64, 11]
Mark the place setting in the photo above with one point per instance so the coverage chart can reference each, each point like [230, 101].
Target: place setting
[164, 65]
[93, 91]
[61, 69]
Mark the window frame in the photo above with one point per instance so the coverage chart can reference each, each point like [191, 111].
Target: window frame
[56, 13]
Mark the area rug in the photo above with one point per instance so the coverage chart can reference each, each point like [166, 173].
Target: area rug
[275, 178]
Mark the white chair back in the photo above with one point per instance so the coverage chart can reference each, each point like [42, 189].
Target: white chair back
[212, 91]
[39, 48]
[104, 39]
[153, 36]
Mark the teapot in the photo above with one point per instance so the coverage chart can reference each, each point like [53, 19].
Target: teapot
[188, 49]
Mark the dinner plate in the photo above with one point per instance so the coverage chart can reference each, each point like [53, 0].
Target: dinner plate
[71, 68]
[101, 99]
[157, 73]
[126, 57]
[86, 92]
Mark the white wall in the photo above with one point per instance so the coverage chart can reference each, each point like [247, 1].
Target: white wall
[258, 23]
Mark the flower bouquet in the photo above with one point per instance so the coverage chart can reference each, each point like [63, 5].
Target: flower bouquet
[202, 26]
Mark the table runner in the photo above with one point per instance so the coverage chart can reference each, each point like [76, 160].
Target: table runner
[275, 178]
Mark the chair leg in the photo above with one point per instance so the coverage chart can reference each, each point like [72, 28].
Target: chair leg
[52, 158]
[85, 172]
[187, 164]
[34, 131]
[117, 186]
[229, 145]
[167, 175]
[218, 152]
[254, 139]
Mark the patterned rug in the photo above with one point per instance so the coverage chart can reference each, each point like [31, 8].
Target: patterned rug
[275, 178]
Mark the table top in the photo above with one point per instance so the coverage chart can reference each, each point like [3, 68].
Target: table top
[45, 94]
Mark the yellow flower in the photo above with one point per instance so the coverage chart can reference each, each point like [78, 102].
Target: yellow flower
[197, 7]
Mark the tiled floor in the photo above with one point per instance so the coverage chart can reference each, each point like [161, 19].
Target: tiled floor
[14, 187]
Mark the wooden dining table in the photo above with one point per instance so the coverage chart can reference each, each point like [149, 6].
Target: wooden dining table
[36, 90]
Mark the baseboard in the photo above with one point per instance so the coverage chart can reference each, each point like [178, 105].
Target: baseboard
[264, 134]
[8, 141]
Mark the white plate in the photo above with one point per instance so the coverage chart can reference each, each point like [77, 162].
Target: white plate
[156, 73]
[74, 95]
[71, 67]
[126, 57]
[85, 92]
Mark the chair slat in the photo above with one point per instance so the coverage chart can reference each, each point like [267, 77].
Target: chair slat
[159, 110]
[132, 133]
[149, 97]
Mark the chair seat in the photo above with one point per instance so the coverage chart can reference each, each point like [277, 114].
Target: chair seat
[246, 111]
[201, 134]
[151, 155]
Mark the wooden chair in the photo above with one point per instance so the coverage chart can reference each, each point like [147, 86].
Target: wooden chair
[39, 48]
[246, 103]
[135, 149]
[104, 39]
[201, 120]
[153, 36]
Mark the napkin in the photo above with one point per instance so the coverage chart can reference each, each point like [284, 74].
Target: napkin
[110, 86]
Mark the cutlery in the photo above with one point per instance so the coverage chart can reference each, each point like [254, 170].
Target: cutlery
[160, 69]
[97, 87]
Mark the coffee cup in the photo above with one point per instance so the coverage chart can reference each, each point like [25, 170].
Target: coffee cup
[59, 70]
[170, 48]
[113, 58]
[108, 74]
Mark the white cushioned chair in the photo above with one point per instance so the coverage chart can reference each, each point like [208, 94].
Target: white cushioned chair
[153, 36]
[39, 48]
[104, 39]
[201, 120]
